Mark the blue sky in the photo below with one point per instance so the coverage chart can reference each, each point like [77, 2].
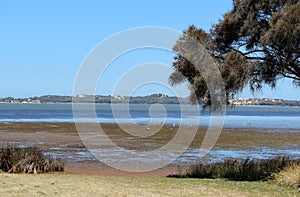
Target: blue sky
[43, 43]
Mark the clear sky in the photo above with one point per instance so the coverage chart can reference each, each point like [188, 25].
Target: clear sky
[43, 43]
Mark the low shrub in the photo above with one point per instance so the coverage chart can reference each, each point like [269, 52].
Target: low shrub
[27, 160]
[239, 170]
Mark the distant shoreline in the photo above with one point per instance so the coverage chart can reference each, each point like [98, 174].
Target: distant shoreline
[150, 99]
[70, 103]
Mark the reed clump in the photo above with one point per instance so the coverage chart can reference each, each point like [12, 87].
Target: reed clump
[27, 160]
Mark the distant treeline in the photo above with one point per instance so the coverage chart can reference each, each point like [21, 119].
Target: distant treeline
[281, 103]
[151, 99]
[263, 101]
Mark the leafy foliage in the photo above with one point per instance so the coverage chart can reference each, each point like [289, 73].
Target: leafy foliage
[255, 43]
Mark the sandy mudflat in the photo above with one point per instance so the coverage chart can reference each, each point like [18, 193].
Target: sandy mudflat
[63, 141]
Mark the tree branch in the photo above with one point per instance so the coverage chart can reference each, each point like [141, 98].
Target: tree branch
[255, 58]
[250, 58]
[289, 76]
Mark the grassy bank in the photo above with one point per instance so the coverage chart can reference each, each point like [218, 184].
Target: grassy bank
[83, 185]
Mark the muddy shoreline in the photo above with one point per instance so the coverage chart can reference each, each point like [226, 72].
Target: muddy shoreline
[63, 141]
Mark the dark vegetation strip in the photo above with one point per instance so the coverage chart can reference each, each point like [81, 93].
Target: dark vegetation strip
[240, 170]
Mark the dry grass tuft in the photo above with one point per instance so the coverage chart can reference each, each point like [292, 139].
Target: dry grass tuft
[289, 176]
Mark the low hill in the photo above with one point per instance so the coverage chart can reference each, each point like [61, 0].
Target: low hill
[150, 99]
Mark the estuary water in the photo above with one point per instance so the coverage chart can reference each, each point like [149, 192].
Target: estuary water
[236, 117]
[273, 118]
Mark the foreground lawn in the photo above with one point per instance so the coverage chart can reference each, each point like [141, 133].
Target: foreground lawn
[82, 185]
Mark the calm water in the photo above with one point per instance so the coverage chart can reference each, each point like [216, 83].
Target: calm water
[277, 118]
[239, 116]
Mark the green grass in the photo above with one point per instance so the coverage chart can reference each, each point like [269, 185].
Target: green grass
[83, 185]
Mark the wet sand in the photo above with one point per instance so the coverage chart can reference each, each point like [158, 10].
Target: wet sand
[63, 141]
